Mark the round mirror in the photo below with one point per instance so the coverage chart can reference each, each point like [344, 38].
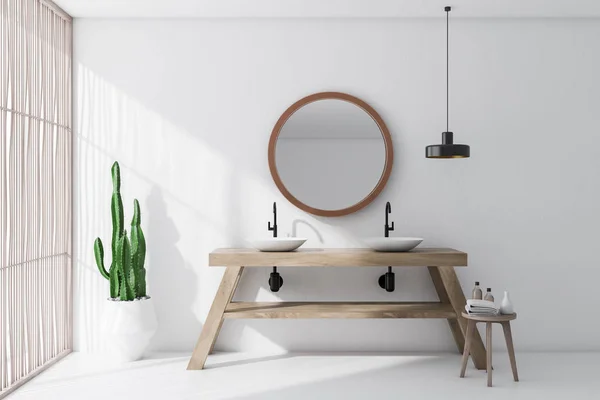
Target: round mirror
[330, 154]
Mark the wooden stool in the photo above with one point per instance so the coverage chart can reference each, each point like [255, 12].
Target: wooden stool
[504, 320]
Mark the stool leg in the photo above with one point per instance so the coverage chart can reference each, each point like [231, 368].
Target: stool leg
[511, 349]
[465, 356]
[488, 345]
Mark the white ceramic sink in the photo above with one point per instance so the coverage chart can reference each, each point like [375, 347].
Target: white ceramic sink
[277, 244]
[393, 243]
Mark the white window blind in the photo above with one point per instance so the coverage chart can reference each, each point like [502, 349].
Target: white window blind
[35, 189]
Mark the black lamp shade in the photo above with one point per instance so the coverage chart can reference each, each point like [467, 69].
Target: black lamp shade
[448, 149]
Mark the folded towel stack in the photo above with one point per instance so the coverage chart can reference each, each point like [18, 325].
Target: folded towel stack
[481, 307]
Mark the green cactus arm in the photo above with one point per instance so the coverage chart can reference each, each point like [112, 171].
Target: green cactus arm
[118, 266]
[141, 281]
[127, 289]
[137, 215]
[138, 251]
[142, 260]
[114, 282]
[116, 177]
[123, 295]
[128, 272]
[99, 255]
[116, 208]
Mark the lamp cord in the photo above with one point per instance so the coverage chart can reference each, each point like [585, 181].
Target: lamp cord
[447, 73]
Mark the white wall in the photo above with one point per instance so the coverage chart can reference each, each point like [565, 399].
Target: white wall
[187, 107]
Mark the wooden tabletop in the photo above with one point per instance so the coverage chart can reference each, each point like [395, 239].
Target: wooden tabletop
[490, 318]
[420, 257]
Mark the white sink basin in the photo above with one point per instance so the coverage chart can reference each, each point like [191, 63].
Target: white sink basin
[393, 243]
[277, 244]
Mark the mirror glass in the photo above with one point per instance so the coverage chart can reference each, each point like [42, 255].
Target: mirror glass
[330, 155]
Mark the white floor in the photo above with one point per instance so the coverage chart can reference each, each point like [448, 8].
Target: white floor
[570, 376]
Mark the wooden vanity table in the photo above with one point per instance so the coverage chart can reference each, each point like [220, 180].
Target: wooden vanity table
[440, 263]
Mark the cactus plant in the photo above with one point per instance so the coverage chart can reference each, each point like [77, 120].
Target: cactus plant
[126, 274]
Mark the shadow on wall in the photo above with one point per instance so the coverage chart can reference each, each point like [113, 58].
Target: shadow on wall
[172, 283]
[297, 222]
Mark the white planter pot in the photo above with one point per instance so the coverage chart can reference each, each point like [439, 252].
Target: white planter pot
[127, 328]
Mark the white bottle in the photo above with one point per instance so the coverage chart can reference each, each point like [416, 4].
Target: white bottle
[507, 306]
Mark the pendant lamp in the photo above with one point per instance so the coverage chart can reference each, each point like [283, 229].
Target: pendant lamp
[447, 149]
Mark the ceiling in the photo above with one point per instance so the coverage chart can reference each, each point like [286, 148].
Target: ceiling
[329, 8]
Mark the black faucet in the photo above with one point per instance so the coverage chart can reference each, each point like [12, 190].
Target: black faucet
[387, 280]
[275, 280]
[388, 228]
[274, 227]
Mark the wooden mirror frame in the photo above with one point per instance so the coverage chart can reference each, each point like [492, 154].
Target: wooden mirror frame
[389, 153]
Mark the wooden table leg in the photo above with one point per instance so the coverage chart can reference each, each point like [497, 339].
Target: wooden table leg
[448, 288]
[488, 343]
[471, 327]
[457, 334]
[511, 349]
[213, 322]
